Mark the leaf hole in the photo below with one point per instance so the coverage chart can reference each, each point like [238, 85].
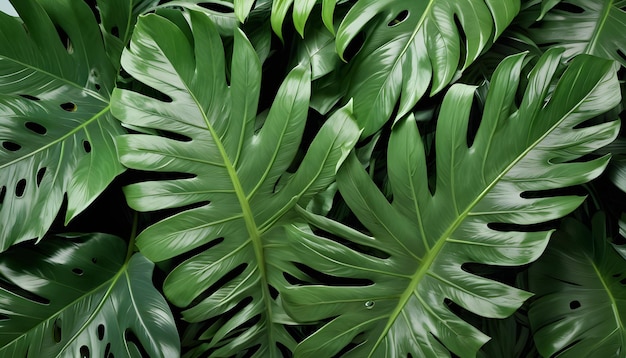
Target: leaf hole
[567, 7]
[57, 334]
[78, 271]
[36, 128]
[97, 86]
[221, 8]
[354, 46]
[65, 40]
[175, 136]
[94, 260]
[100, 332]
[84, 352]
[617, 275]
[19, 291]
[20, 188]
[87, 146]
[132, 339]
[3, 193]
[40, 173]
[462, 40]
[107, 351]
[115, 31]
[69, 106]
[283, 349]
[623, 281]
[29, 97]
[402, 15]
[574, 305]
[11, 146]
[621, 54]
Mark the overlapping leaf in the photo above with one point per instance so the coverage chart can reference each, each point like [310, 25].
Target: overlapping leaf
[411, 44]
[75, 296]
[584, 26]
[235, 178]
[405, 281]
[56, 130]
[580, 282]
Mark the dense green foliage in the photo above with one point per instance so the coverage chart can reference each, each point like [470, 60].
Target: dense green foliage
[331, 178]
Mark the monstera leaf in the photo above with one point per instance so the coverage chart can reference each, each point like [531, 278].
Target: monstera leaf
[580, 282]
[117, 20]
[56, 129]
[234, 182]
[301, 12]
[75, 296]
[394, 293]
[409, 44]
[584, 26]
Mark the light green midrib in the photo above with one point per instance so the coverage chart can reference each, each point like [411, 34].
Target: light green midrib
[433, 254]
[251, 227]
[616, 315]
[60, 139]
[590, 48]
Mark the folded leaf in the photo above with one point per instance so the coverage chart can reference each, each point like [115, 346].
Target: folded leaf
[407, 278]
[234, 179]
[56, 130]
[74, 296]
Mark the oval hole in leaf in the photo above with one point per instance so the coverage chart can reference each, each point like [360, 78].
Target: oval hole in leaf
[354, 46]
[217, 7]
[132, 339]
[623, 281]
[3, 193]
[402, 15]
[94, 260]
[87, 146]
[69, 107]
[78, 271]
[617, 275]
[107, 351]
[115, 31]
[574, 305]
[65, 40]
[40, 173]
[11, 146]
[84, 352]
[97, 87]
[36, 128]
[29, 97]
[56, 330]
[20, 188]
[100, 332]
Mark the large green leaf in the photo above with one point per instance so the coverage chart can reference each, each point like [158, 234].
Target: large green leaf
[405, 280]
[75, 296]
[580, 282]
[55, 126]
[235, 178]
[584, 26]
[409, 44]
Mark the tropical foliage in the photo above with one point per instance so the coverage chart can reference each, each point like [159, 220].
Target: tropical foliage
[278, 178]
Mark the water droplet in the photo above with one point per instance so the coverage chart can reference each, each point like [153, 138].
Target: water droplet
[369, 305]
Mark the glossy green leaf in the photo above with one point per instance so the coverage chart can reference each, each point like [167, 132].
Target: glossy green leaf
[56, 130]
[411, 46]
[74, 296]
[301, 12]
[413, 267]
[585, 26]
[118, 17]
[580, 283]
[235, 178]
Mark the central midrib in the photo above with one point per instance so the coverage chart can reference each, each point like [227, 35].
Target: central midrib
[436, 249]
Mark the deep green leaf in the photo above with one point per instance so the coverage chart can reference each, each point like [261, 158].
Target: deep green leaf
[237, 182]
[580, 282]
[56, 128]
[409, 44]
[584, 26]
[74, 296]
[421, 242]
